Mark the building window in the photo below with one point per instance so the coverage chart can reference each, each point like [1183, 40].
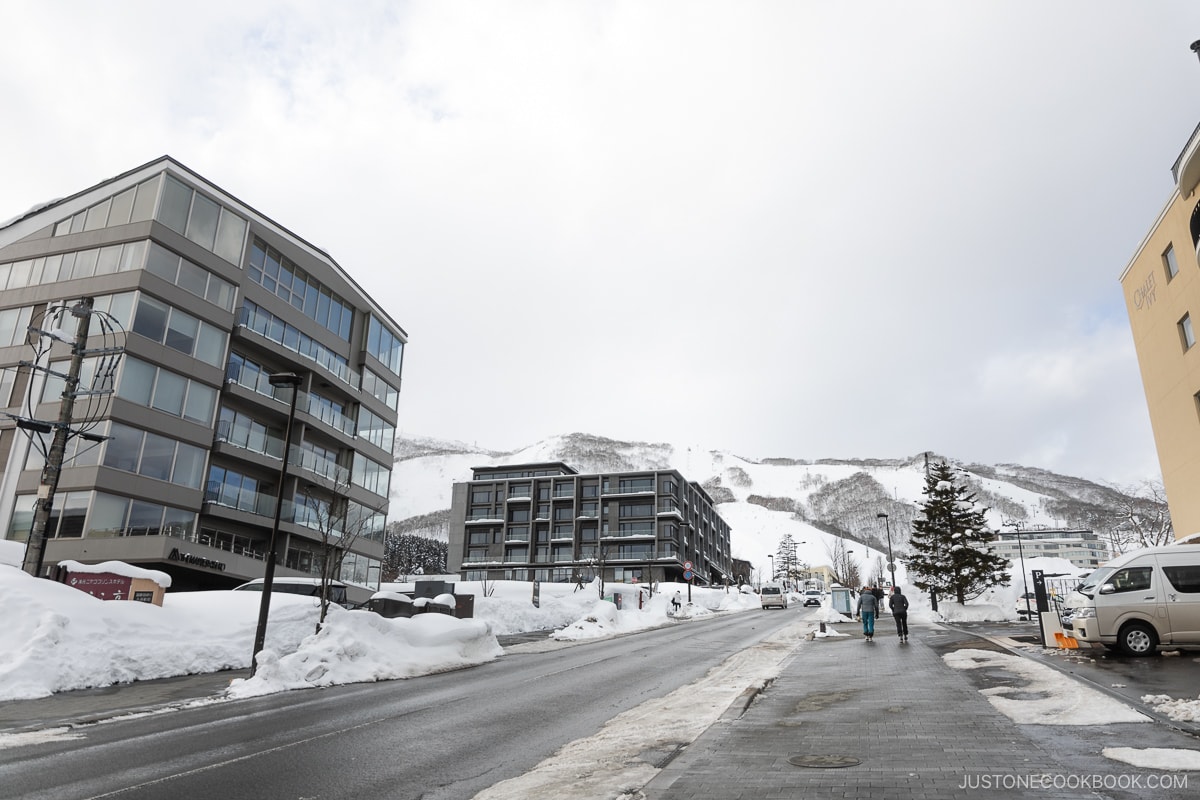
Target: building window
[154, 456]
[278, 275]
[1186, 335]
[384, 345]
[381, 390]
[169, 326]
[1169, 262]
[202, 220]
[186, 275]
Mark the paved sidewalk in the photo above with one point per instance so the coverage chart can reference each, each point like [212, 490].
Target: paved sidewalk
[917, 727]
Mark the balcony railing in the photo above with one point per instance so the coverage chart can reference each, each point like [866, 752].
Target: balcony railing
[265, 445]
[324, 467]
[271, 328]
[482, 560]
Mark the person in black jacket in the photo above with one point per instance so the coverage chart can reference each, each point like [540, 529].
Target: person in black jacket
[899, 605]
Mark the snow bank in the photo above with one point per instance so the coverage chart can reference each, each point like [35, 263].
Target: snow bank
[361, 646]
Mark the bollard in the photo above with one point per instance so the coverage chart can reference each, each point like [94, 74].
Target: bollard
[822, 627]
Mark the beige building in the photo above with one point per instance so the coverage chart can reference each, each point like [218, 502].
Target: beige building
[1162, 292]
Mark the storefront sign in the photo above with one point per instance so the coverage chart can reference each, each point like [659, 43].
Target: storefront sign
[102, 585]
[198, 561]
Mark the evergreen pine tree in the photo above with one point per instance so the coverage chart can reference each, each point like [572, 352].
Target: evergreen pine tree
[785, 557]
[949, 544]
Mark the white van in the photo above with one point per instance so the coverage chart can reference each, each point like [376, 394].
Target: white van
[1139, 601]
[774, 595]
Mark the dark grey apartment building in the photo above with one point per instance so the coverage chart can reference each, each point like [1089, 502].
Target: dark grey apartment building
[547, 522]
[208, 320]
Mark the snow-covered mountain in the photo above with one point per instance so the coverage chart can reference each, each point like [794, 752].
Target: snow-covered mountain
[816, 502]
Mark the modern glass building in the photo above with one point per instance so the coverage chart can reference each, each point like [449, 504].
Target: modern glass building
[547, 522]
[205, 317]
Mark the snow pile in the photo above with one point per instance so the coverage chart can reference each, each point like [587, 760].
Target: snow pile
[1042, 697]
[1165, 758]
[57, 638]
[11, 553]
[1178, 710]
[603, 618]
[361, 647]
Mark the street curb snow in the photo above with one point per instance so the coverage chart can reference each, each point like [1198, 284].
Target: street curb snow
[1183, 726]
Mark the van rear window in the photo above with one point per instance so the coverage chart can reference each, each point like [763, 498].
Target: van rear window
[1184, 579]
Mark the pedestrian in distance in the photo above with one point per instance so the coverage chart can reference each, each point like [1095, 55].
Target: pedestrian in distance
[676, 602]
[879, 595]
[899, 604]
[867, 606]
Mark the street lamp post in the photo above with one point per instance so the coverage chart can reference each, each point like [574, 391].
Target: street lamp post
[891, 561]
[1021, 554]
[772, 557]
[264, 607]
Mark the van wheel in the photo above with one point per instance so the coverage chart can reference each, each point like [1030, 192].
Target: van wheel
[1138, 639]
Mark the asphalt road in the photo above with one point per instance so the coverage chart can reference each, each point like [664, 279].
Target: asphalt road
[438, 737]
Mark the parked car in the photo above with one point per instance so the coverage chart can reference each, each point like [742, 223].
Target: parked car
[812, 597]
[774, 596]
[310, 587]
[1027, 605]
[1140, 600]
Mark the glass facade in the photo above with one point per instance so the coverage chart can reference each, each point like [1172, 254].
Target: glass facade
[384, 345]
[210, 441]
[275, 273]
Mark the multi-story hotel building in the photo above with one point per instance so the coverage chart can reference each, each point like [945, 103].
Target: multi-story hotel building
[198, 301]
[1161, 284]
[1081, 547]
[547, 522]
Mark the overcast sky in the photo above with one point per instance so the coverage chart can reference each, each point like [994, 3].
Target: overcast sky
[802, 229]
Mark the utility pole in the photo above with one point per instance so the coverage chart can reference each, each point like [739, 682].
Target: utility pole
[82, 311]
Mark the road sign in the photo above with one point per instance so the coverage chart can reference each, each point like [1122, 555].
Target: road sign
[891, 566]
[688, 574]
[687, 565]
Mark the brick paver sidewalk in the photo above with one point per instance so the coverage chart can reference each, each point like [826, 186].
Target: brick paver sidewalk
[920, 729]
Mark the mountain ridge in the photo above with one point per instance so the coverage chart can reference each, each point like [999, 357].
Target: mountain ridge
[765, 499]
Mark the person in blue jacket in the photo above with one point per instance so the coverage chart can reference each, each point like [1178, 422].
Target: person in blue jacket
[865, 610]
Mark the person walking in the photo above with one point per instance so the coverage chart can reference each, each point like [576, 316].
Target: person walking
[676, 602]
[879, 595]
[899, 604]
[865, 610]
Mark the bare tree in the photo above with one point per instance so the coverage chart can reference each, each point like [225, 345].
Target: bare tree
[594, 562]
[845, 570]
[878, 572]
[339, 522]
[1142, 519]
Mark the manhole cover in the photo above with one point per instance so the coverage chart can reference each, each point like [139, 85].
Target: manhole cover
[824, 762]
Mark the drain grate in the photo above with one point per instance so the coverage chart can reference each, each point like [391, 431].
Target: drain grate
[824, 761]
